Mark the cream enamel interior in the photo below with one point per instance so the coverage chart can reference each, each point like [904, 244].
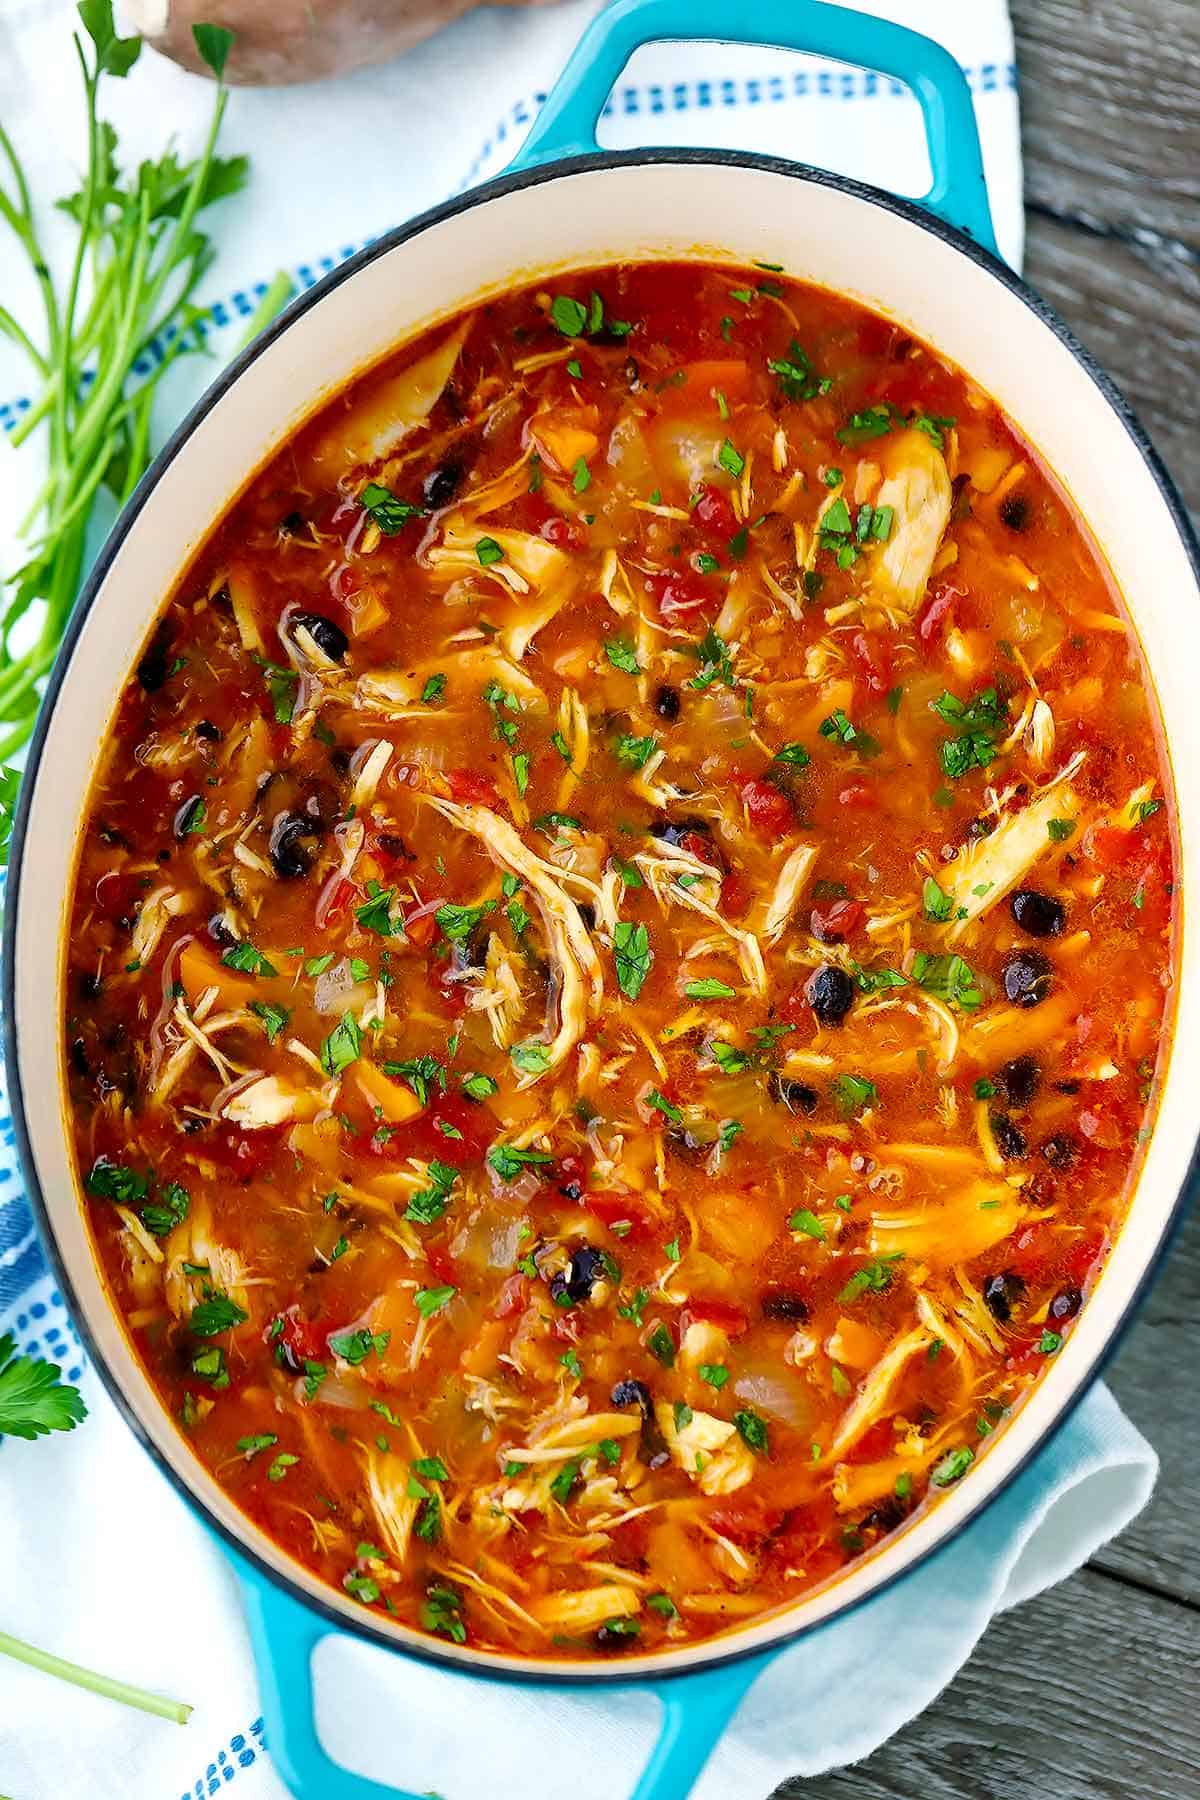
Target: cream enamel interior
[672, 210]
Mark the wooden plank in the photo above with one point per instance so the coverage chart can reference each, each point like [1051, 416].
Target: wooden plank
[1154, 1378]
[1110, 100]
[1090, 1692]
[1137, 309]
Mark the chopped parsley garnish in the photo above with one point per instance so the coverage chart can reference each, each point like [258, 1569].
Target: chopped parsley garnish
[709, 988]
[663, 1105]
[458, 922]
[250, 961]
[171, 1210]
[952, 1467]
[434, 690]
[214, 1314]
[282, 1463]
[728, 1058]
[251, 1446]
[808, 1223]
[874, 1277]
[488, 551]
[661, 1345]
[752, 1430]
[478, 1087]
[622, 655]
[428, 1204]
[114, 1181]
[715, 1374]
[375, 914]
[274, 1018]
[1060, 830]
[871, 422]
[794, 755]
[355, 1346]
[581, 476]
[948, 978]
[532, 1058]
[342, 1046]
[715, 661]
[390, 513]
[731, 459]
[633, 957]
[441, 1611]
[797, 378]
[636, 751]
[975, 724]
[431, 1300]
[853, 1094]
[934, 426]
[937, 904]
[507, 1161]
[419, 1073]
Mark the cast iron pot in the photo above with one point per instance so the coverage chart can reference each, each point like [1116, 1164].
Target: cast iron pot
[564, 205]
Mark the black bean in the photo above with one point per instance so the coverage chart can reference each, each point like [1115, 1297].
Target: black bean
[79, 1059]
[221, 933]
[154, 667]
[673, 831]
[89, 986]
[1010, 1140]
[1066, 1087]
[1038, 914]
[292, 524]
[1001, 1293]
[830, 993]
[632, 1393]
[206, 730]
[792, 1094]
[289, 845]
[1027, 976]
[1020, 1079]
[328, 637]
[666, 703]
[1066, 1303]
[441, 484]
[784, 1303]
[574, 1284]
[1014, 511]
[395, 846]
[618, 1634]
[1060, 1150]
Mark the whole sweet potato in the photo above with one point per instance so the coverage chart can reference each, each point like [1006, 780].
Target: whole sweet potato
[280, 41]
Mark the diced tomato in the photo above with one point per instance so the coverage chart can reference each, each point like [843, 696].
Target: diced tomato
[442, 1265]
[857, 793]
[769, 809]
[872, 652]
[117, 894]
[469, 787]
[304, 1338]
[1028, 1253]
[1079, 1261]
[736, 894]
[343, 893]
[732, 1320]
[875, 1443]
[471, 1128]
[713, 513]
[745, 1518]
[936, 613]
[834, 923]
[620, 1209]
[683, 595]
[513, 1296]
[564, 534]
[701, 846]
[245, 1154]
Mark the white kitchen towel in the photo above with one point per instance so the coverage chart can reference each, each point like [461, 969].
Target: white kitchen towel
[100, 1561]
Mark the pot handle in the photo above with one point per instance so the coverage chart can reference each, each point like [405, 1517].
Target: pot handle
[566, 124]
[284, 1632]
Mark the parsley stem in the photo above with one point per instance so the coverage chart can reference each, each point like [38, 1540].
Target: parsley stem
[176, 1710]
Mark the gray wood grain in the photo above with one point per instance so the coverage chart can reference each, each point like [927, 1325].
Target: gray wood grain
[1077, 1696]
[1092, 1692]
[1111, 112]
[1155, 1378]
[1137, 309]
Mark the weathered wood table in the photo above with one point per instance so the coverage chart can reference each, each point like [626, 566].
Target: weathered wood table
[1093, 1691]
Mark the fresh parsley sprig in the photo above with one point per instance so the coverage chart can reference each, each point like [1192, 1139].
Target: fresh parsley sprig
[139, 255]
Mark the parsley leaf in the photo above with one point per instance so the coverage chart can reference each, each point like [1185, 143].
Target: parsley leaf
[342, 1046]
[633, 957]
[389, 513]
[33, 1398]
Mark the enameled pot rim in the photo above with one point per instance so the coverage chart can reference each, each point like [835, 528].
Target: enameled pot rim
[721, 1650]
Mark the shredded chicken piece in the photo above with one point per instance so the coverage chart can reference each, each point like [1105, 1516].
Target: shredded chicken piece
[662, 867]
[917, 487]
[873, 1395]
[395, 1509]
[790, 884]
[499, 994]
[992, 867]
[580, 976]
[708, 1449]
